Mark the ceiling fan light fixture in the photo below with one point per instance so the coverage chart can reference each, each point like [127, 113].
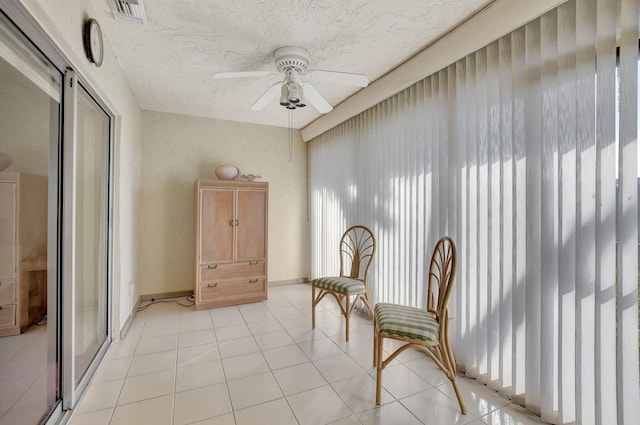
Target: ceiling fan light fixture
[284, 95]
[294, 93]
[301, 103]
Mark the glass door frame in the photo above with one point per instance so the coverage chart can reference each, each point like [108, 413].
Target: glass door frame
[71, 391]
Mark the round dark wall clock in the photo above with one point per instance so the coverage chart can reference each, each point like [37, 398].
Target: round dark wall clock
[93, 43]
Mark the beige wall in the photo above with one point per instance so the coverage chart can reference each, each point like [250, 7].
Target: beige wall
[177, 150]
[63, 21]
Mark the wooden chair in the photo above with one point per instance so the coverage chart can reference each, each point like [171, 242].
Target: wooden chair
[357, 247]
[425, 330]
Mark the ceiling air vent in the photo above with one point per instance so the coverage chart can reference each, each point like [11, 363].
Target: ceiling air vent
[129, 10]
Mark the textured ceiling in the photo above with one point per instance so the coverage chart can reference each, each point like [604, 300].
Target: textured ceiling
[170, 60]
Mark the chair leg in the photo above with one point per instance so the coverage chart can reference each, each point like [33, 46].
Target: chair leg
[375, 346]
[347, 314]
[378, 356]
[367, 303]
[463, 409]
[313, 306]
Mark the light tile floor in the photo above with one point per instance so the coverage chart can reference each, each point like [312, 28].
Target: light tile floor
[262, 363]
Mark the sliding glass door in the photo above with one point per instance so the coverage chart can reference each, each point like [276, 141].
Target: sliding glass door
[86, 244]
[55, 238]
[91, 232]
[30, 105]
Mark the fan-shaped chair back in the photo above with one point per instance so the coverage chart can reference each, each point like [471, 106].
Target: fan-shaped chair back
[441, 273]
[357, 247]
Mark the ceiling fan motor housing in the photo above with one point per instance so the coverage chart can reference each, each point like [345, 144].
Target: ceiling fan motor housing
[292, 58]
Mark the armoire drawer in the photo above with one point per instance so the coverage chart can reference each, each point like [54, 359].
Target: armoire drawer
[216, 291]
[231, 270]
[7, 315]
[7, 291]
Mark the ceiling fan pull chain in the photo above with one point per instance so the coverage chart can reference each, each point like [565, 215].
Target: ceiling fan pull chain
[290, 134]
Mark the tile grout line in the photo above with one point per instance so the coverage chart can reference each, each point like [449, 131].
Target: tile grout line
[126, 375]
[286, 399]
[92, 382]
[175, 374]
[269, 366]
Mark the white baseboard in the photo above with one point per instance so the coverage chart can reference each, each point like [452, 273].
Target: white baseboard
[288, 281]
[165, 295]
[129, 320]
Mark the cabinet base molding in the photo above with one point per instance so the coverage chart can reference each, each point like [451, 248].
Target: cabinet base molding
[225, 303]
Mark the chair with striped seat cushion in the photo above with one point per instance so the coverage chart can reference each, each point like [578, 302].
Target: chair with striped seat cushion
[357, 247]
[407, 322]
[422, 329]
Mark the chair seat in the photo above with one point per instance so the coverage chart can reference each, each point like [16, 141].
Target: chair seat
[407, 322]
[343, 284]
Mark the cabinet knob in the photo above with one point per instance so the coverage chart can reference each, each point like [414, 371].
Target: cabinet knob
[212, 285]
[253, 263]
[215, 266]
[253, 280]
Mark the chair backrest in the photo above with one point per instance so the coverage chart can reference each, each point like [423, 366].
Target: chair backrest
[357, 247]
[441, 273]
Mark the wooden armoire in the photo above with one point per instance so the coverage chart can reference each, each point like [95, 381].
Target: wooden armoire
[230, 242]
[23, 251]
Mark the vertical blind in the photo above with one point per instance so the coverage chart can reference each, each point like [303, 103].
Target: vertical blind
[526, 153]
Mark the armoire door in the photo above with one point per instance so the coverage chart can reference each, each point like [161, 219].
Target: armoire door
[252, 224]
[216, 224]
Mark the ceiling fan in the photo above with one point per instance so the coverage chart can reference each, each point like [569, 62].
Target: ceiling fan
[294, 93]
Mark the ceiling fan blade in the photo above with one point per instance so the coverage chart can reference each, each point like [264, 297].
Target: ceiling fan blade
[269, 96]
[240, 74]
[312, 96]
[346, 78]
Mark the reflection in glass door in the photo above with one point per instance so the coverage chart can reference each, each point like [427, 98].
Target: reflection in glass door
[30, 99]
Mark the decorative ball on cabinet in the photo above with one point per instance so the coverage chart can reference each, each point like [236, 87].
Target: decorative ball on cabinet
[227, 172]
